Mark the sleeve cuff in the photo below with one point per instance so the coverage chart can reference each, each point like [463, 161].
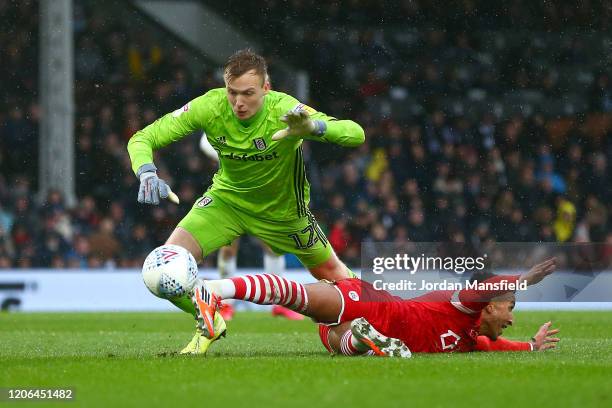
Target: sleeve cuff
[145, 168]
[320, 127]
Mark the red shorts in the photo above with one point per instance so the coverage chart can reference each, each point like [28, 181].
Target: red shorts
[360, 299]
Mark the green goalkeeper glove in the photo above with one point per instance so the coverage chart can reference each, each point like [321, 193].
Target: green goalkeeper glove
[299, 124]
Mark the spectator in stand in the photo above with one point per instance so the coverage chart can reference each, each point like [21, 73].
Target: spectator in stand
[566, 220]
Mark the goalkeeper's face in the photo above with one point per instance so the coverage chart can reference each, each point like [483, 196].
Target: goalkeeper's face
[246, 94]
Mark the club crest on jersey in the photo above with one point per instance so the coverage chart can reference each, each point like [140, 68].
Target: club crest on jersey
[204, 201]
[259, 143]
[353, 295]
[449, 340]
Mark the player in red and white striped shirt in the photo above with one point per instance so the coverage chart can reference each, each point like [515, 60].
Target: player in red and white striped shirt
[441, 321]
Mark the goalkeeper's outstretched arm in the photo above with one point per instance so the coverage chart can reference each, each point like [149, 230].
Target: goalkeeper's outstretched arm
[341, 132]
[321, 128]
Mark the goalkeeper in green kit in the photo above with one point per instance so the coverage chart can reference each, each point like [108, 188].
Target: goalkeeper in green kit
[260, 188]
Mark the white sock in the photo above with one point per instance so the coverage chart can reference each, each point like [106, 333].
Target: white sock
[274, 264]
[224, 288]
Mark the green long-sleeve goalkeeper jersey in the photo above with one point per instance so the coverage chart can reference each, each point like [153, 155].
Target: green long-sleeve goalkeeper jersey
[262, 177]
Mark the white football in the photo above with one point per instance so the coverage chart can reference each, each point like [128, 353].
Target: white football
[169, 271]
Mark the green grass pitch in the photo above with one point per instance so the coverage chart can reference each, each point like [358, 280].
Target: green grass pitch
[129, 359]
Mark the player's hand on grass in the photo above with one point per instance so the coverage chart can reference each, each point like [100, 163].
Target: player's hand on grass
[543, 339]
[152, 188]
[299, 124]
[539, 271]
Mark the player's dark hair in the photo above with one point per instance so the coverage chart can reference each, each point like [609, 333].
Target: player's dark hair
[243, 61]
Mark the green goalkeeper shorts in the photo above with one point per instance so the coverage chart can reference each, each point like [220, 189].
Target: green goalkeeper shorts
[214, 224]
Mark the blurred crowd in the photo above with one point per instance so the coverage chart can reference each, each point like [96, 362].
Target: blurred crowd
[472, 135]
[463, 14]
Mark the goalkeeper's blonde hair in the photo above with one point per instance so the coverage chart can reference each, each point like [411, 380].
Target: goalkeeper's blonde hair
[243, 61]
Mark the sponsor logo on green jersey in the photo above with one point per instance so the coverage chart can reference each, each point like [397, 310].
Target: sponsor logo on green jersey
[251, 157]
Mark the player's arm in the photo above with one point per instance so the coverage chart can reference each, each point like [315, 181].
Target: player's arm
[341, 132]
[483, 343]
[474, 300]
[165, 130]
[541, 341]
[304, 122]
